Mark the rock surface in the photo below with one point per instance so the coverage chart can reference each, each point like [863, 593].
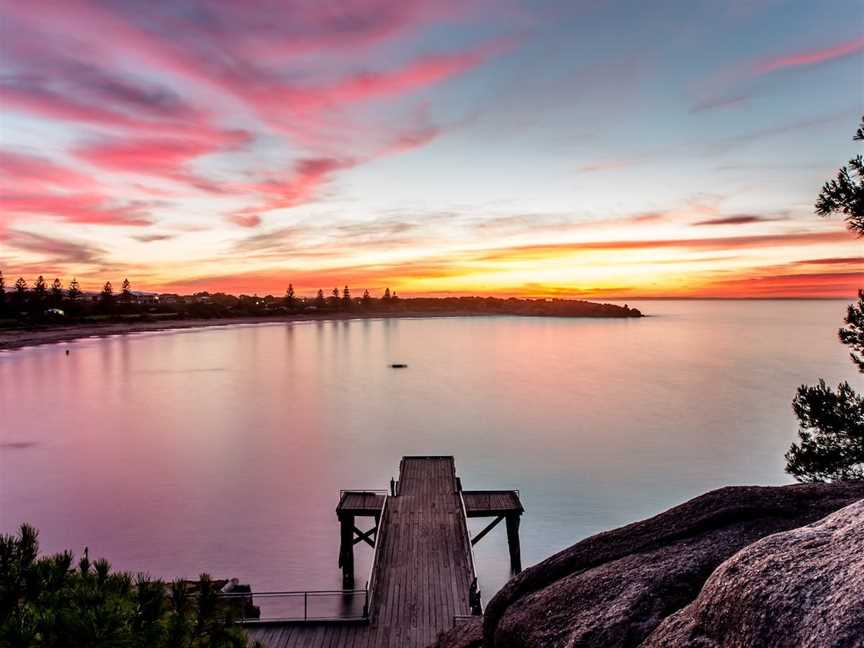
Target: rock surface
[616, 588]
[801, 588]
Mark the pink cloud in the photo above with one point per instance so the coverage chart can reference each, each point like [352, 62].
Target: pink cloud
[64, 64]
[812, 57]
[310, 175]
[75, 208]
[162, 157]
[20, 172]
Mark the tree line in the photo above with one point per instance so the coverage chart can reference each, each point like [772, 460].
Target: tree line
[41, 301]
[40, 297]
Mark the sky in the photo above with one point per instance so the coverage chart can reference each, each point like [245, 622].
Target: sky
[558, 148]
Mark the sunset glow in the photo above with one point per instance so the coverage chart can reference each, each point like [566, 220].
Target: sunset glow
[532, 149]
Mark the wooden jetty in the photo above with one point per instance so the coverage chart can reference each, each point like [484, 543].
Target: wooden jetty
[422, 579]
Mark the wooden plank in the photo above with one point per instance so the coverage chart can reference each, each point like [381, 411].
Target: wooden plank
[423, 564]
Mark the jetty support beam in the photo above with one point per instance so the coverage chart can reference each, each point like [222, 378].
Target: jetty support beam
[513, 543]
[346, 549]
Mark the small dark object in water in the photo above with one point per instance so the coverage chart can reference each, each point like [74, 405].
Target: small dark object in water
[398, 365]
[67, 351]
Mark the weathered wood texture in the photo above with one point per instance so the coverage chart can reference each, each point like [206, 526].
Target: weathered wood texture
[360, 503]
[423, 570]
[489, 503]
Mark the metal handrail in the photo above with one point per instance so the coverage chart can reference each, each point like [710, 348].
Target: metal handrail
[468, 536]
[289, 593]
[372, 581]
[296, 594]
[492, 490]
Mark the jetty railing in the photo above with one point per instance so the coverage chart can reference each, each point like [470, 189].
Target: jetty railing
[467, 537]
[372, 581]
[299, 606]
[360, 491]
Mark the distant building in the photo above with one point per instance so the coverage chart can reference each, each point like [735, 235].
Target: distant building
[145, 298]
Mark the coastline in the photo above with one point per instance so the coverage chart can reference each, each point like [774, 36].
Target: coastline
[12, 339]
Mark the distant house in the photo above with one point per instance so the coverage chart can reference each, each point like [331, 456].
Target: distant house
[145, 298]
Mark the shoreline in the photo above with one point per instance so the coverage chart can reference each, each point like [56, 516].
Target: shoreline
[13, 339]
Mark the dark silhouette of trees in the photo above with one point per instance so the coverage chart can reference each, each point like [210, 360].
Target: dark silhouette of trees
[106, 298]
[49, 601]
[853, 334]
[74, 292]
[290, 299]
[40, 292]
[831, 439]
[56, 297]
[20, 293]
[77, 306]
[845, 194]
[831, 423]
[126, 292]
[2, 294]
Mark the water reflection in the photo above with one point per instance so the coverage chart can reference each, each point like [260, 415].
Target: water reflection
[223, 450]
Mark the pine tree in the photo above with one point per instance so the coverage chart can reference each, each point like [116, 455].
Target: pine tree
[126, 292]
[831, 423]
[334, 298]
[346, 298]
[106, 297]
[20, 293]
[74, 292]
[386, 296]
[853, 335]
[40, 291]
[290, 299]
[845, 194]
[367, 299]
[56, 293]
[320, 302]
[2, 293]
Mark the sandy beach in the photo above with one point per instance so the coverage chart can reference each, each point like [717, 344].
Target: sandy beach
[11, 339]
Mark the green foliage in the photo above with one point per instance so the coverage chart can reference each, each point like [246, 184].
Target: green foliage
[831, 438]
[853, 334]
[831, 423]
[845, 194]
[47, 602]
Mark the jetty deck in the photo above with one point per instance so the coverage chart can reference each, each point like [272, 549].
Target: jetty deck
[422, 571]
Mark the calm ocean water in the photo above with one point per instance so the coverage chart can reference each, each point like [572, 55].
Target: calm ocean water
[223, 450]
